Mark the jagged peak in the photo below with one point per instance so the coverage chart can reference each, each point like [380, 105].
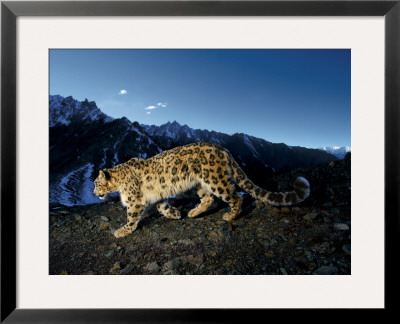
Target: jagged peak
[63, 109]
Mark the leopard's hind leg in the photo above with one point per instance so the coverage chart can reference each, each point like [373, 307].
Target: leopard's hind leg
[168, 211]
[228, 194]
[206, 200]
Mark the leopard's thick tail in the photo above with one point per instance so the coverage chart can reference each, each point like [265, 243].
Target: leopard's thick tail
[300, 191]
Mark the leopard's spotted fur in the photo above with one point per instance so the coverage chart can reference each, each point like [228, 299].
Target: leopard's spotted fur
[209, 167]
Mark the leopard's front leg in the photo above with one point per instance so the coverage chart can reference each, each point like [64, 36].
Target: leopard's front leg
[134, 214]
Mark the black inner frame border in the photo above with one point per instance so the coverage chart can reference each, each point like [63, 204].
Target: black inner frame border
[10, 10]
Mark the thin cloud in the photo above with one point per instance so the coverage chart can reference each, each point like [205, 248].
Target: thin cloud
[156, 106]
[148, 112]
[122, 92]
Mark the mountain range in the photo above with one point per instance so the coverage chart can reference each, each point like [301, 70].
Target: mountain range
[83, 140]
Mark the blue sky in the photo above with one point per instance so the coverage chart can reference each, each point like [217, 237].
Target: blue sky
[298, 97]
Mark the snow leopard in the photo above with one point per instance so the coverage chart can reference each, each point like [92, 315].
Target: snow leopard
[207, 167]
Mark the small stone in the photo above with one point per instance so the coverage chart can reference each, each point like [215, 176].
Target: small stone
[200, 260]
[171, 265]
[116, 268]
[309, 255]
[347, 249]
[311, 216]
[332, 164]
[185, 242]
[153, 266]
[341, 227]
[285, 210]
[326, 270]
[109, 253]
[64, 212]
[77, 217]
[171, 272]
[268, 254]
[104, 218]
[128, 269]
[283, 271]
[64, 273]
[89, 273]
[104, 227]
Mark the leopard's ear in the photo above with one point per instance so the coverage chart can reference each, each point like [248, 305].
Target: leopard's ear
[105, 174]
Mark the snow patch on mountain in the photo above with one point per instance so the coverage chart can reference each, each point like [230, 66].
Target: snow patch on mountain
[176, 132]
[338, 151]
[248, 142]
[75, 188]
[62, 110]
[104, 159]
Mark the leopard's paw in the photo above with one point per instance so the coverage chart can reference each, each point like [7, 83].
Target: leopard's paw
[122, 232]
[194, 212]
[229, 217]
[176, 214]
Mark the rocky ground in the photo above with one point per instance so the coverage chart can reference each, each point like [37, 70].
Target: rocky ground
[313, 237]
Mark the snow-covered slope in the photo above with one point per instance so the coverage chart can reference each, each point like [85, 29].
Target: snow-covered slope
[338, 151]
[74, 188]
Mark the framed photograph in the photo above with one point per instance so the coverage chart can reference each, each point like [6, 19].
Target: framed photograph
[163, 159]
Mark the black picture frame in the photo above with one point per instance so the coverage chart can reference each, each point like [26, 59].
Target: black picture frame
[10, 10]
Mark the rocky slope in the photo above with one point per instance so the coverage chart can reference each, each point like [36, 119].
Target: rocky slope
[313, 237]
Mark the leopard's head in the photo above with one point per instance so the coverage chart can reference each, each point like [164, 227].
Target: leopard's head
[104, 184]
